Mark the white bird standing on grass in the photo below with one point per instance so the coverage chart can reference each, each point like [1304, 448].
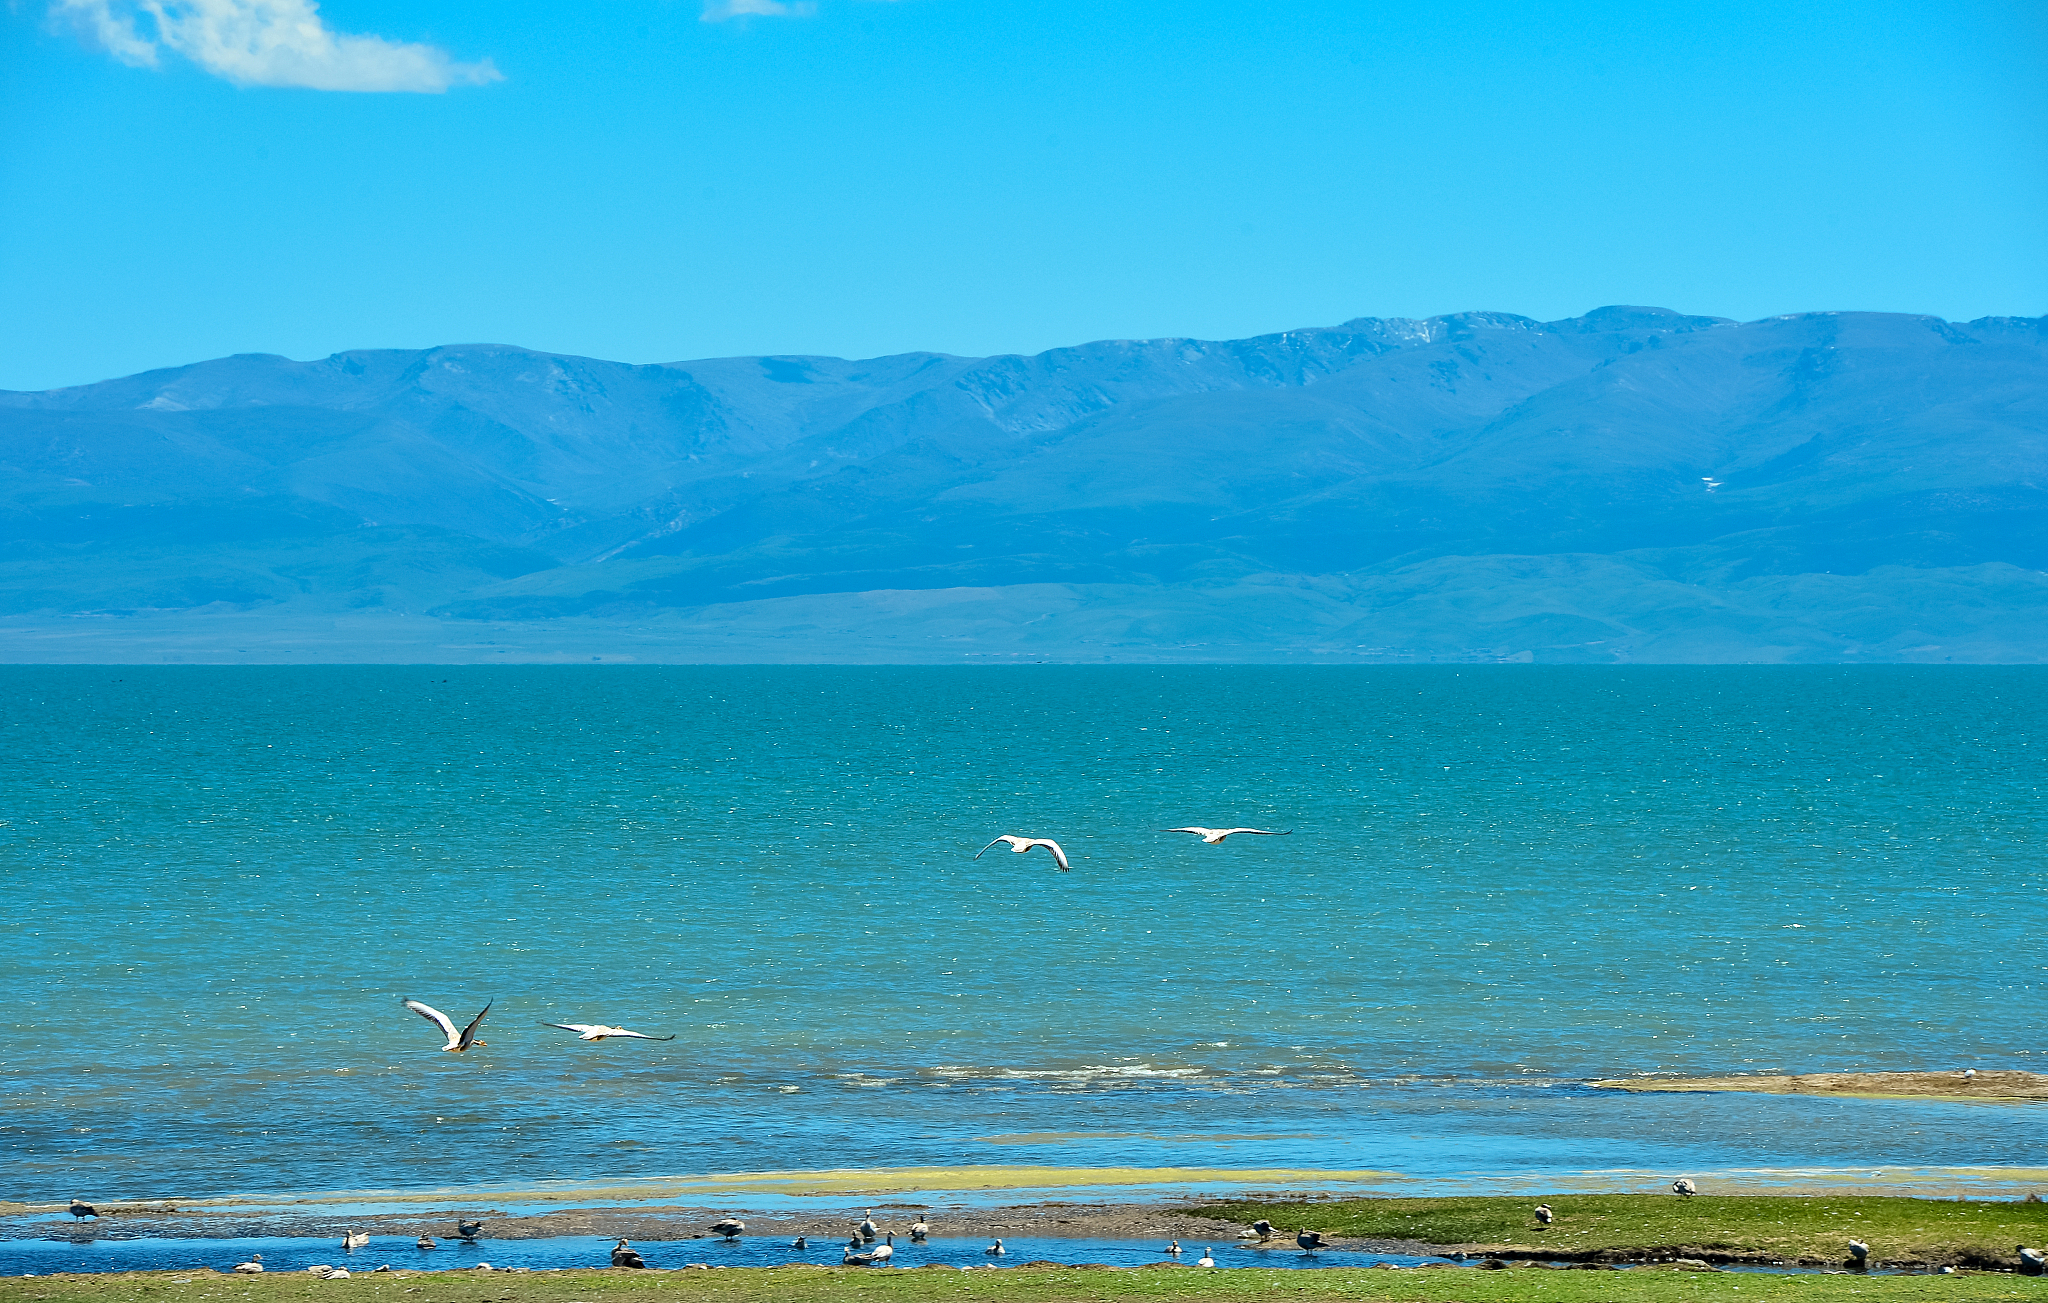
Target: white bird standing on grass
[1022, 844]
[1214, 836]
[458, 1041]
[1683, 1185]
[590, 1031]
[1543, 1213]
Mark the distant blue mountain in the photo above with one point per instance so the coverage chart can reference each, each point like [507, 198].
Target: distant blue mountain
[1632, 484]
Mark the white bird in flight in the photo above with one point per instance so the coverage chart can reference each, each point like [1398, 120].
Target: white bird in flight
[586, 1031]
[1215, 835]
[458, 1041]
[1022, 844]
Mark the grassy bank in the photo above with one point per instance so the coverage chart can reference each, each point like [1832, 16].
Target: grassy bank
[1026, 1285]
[1634, 1226]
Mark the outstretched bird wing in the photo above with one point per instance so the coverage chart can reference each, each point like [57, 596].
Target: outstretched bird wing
[436, 1017]
[638, 1036]
[997, 842]
[1199, 832]
[1058, 855]
[578, 1027]
[469, 1032]
[1263, 832]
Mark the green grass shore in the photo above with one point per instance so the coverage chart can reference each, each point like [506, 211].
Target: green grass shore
[1811, 1229]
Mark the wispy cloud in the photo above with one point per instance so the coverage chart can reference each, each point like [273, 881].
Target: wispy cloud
[717, 11]
[268, 43]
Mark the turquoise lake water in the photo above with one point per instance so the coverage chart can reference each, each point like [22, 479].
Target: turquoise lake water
[1502, 881]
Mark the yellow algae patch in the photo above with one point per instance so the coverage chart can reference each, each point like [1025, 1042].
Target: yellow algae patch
[849, 1180]
[994, 1177]
[2004, 1085]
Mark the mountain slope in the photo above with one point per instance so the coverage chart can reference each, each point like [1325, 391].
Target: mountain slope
[1631, 484]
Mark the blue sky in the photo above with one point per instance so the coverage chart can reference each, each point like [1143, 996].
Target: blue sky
[653, 180]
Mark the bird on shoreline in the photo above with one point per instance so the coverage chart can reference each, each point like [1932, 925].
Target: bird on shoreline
[919, 1230]
[2033, 1262]
[1311, 1241]
[624, 1255]
[868, 1233]
[1543, 1213]
[1215, 836]
[1208, 1259]
[1859, 1253]
[1022, 844]
[468, 1231]
[586, 1031]
[252, 1266]
[730, 1227]
[458, 1041]
[1683, 1185]
[353, 1240]
[1261, 1228]
[81, 1210]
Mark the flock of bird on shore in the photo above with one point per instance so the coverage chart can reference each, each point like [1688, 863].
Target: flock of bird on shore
[861, 1249]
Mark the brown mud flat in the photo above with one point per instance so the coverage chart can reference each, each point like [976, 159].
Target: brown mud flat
[2001, 1084]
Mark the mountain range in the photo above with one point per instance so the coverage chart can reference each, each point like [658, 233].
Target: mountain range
[1629, 485]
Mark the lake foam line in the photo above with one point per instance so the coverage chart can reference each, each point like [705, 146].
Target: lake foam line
[995, 1185]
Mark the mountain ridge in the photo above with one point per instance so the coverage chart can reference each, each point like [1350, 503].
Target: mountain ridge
[471, 485]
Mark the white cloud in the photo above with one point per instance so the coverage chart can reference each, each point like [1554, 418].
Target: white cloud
[717, 11]
[267, 43]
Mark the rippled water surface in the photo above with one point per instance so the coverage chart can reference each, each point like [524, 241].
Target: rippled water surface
[1501, 882]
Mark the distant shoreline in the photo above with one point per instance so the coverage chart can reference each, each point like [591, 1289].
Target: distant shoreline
[2005, 1085]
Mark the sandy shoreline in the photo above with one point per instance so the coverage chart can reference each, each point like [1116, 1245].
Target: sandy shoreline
[2004, 1085]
